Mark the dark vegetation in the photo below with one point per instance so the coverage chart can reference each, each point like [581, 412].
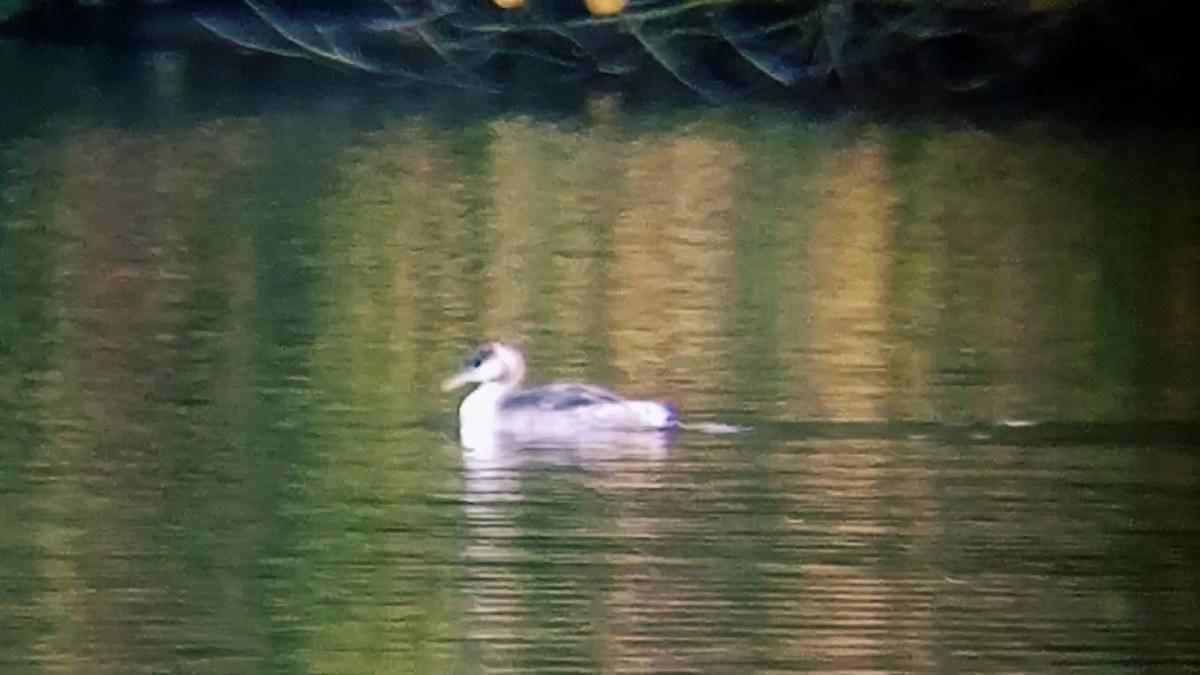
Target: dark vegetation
[1109, 56]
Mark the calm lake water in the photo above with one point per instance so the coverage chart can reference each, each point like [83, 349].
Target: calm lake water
[967, 358]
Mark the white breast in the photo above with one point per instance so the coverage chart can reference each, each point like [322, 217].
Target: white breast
[477, 418]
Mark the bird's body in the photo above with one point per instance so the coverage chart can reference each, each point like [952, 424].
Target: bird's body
[501, 406]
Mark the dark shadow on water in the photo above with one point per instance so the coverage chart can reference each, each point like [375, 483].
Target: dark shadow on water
[1016, 433]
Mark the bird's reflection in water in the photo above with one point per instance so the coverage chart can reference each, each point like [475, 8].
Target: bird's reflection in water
[532, 516]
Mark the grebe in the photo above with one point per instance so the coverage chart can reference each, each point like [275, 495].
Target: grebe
[500, 406]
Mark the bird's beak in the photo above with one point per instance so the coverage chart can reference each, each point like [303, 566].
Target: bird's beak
[457, 380]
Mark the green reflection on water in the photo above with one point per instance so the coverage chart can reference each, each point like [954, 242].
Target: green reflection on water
[221, 342]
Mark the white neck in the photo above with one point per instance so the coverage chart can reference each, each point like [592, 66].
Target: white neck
[477, 414]
[478, 423]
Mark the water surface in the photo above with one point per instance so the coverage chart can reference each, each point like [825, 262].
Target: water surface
[967, 358]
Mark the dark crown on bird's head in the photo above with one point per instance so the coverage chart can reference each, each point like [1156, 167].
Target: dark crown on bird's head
[481, 354]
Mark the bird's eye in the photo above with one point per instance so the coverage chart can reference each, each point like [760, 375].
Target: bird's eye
[478, 357]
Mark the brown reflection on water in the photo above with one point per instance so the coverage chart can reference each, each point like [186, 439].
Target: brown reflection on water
[545, 229]
[848, 259]
[959, 283]
[860, 522]
[1000, 290]
[613, 247]
[671, 249]
[124, 212]
[520, 235]
[395, 262]
[812, 279]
